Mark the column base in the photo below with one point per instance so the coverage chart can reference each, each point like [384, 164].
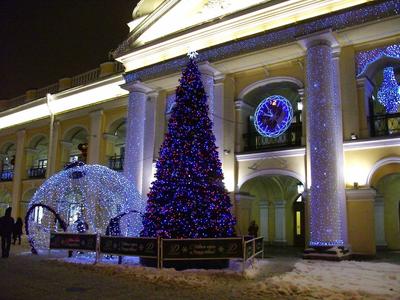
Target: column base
[335, 253]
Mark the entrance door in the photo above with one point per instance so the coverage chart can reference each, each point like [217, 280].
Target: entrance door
[299, 222]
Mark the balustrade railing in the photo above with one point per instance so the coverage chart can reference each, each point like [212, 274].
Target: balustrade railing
[116, 163]
[6, 175]
[290, 138]
[383, 125]
[86, 77]
[37, 173]
[50, 89]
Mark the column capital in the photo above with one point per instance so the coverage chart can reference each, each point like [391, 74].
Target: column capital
[280, 203]
[361, 194]
[96, 113]
[109, 137]
[153, 94]
[207, 68]
[66, 144]
[263, 204]
[137, 86]
[21, 133]
[319, 38]
[244, 200]
[31, 150]
[242, 105]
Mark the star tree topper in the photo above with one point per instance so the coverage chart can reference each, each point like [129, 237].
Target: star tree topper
[192, 54]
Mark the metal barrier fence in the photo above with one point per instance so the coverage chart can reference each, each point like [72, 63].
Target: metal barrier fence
[162, 250]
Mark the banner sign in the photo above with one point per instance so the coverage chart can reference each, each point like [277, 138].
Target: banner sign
[259, 244]
[143, 247]
[72, 241]
[202, 248]
[249, 249]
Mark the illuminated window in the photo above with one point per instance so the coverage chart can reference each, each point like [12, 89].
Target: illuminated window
[38, 214]
[298, 223]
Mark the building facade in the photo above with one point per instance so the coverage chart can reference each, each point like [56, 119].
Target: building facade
[329, 176]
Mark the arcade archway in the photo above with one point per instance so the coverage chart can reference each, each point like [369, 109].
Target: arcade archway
[276, 204]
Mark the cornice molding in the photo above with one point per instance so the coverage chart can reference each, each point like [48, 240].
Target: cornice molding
[270, 154]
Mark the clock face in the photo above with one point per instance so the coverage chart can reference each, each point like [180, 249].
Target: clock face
[273, 116]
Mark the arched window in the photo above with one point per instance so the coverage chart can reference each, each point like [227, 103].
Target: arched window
[37, 157]
[275, 117]
[378, 73]
[7, 162]
[116, 139]
[384, 103]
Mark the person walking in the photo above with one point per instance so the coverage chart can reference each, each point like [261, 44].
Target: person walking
[17, 231]
[6, 230]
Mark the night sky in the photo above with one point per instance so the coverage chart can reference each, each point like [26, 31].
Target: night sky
[45, 40]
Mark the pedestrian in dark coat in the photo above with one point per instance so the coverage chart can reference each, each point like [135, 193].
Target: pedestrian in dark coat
[17, 231]
[253, 229]
[6, 230]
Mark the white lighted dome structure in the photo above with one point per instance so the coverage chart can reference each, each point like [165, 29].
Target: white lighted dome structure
[83, 194]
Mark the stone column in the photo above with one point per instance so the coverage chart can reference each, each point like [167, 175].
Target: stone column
[280, 221]
[303, 118]
[213, 82]
[53, 148]
[95, 137]
[243, 204]
[66, 147]
[264, 220]
[19, 171]
[325, 144]
[137, 125]
[365, 89]
[149, 143]
[379, 213]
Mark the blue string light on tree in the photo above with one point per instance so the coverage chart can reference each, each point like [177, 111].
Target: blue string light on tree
[388, 94]
[273, 116]
[188, 198]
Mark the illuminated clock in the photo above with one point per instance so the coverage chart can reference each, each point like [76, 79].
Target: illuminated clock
[273, 116]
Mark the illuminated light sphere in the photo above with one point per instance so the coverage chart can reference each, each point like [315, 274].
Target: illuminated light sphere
[273, 116]
[388, 94]
[86, 198]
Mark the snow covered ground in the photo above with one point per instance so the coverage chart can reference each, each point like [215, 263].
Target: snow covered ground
[53, 276]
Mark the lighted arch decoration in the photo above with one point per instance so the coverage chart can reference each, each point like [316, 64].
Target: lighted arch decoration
[273, 116]
[267, 172]
[379, 164]
[92, 193]
[31, 238]
[366, 58]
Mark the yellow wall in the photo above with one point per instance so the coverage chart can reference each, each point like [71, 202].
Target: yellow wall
[359, 163]
[361, 224]
[389, 187]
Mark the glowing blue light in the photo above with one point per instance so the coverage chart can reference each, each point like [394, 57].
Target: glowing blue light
[366, 58]
[388, 94]
[273, 116]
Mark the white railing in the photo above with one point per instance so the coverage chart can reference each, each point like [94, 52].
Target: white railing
[77, 80]
[50, 89]
[86, 77]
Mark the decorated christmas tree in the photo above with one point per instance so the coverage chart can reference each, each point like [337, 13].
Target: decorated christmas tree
[188, 198]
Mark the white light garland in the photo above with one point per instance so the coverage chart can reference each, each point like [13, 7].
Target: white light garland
[97, 196]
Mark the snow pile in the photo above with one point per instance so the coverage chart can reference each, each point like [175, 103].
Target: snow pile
[295, 278]
[351, 278]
